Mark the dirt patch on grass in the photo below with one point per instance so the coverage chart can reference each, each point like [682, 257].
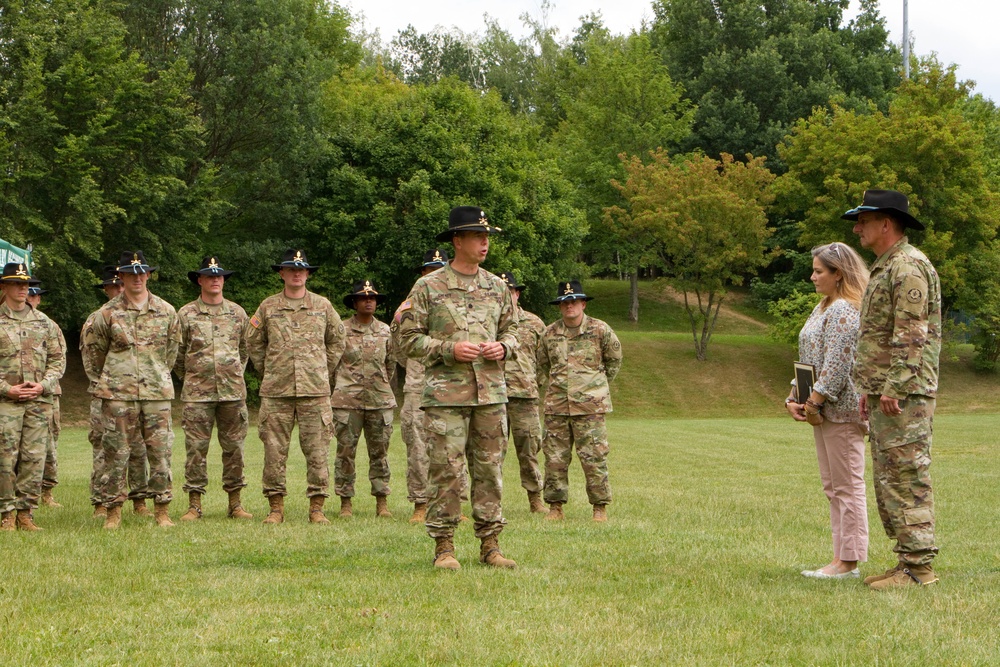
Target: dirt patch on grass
[667, 294]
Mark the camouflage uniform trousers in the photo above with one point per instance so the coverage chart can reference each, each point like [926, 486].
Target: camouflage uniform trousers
[124, 424]
[456, 435]
[590, 436]
[901, 452]
[526, 430]
[138, 466]
[276, 418]
[197, 420]
[411, 421]
[24, 431]
[348, 426]
[50, 475]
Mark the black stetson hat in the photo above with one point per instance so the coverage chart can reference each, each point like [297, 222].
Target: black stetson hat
[209, 267]
[17, 273]
[435, 258]
[294, 259]
[890, 201]
[109, 276]
[363, 288]
[570, 290]
[508, 277]
[37, 291]
[133, 261]
[467, 219]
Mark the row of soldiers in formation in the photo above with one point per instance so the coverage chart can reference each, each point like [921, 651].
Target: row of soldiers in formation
[474, 362]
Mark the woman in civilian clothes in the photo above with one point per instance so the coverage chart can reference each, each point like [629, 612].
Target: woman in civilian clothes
[827, 341]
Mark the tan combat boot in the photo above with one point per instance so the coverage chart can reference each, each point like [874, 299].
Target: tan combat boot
[25, 521]
[161, 516]
[489, 553]
[382, 507]
[277, 513]
[48, 500]
[885, 575]
[909, 575]
[194, 507]
[346, 508]
[555, 512]
[535, 503]
[316, 510]
[7, 521]
[236, 510]
[139, 507]
[600, 513]
[419, 513]
[114, 518]
[100, 512]
[444, 554]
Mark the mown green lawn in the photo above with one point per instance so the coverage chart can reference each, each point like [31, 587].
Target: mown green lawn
[699, 564]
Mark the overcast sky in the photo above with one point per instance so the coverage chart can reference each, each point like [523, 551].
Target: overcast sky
[960, 31]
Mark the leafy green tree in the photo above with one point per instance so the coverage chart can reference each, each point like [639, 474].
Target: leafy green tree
[753, 68]
[706, 218]
[924, 147]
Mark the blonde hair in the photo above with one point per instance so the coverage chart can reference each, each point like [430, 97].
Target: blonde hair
[853, 272]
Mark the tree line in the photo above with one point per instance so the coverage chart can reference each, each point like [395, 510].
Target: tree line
[713, 147]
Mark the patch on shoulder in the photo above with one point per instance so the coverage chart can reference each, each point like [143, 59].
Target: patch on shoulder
[616, 345]
[403, 307]
[255, 321]
[914, 295]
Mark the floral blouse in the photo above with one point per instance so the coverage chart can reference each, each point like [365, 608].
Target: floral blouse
[828, 341]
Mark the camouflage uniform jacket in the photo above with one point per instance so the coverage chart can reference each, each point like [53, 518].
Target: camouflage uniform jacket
[520, 373]
[62, 345]
[295, 348]
[366, 369]
[128, 352]
[899, 341]
[85, 332]
[213, 352]
[30, 351]
[440, 312]
[578, 367]
[415, 371]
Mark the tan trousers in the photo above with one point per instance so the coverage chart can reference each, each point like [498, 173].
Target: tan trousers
[840, 450]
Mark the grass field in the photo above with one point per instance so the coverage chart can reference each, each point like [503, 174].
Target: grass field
[711, 524]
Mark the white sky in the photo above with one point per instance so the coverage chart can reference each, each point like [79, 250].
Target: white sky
[959, 31]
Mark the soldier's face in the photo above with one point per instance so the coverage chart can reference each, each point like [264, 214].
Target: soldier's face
[365, 305]
[870, 227]
[515, 294]
[113, 290]
[572, 311]
[16, 294]
[294, 277]
[471, 247]
[211, 285]
[135, 283]
[34, 300]
[824, 278]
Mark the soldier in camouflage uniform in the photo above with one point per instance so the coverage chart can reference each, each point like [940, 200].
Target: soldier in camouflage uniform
[138, 465]
[50, 475]
[896, 373]
[128, 353]
[411, 416]
[31, 363]
[578, 358]
[295, 341]
[210, 362]
[362, 399]
[522, 396]
[460, 322]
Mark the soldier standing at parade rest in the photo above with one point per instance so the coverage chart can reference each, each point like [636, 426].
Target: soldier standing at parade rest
[522, 396]
[50, 475]
[460, 321]
[128, 353]
[896, 373]
[578, 358]
[362, 399]
[210, 363]
[295, 341]
[31, 363]
[138, 465]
